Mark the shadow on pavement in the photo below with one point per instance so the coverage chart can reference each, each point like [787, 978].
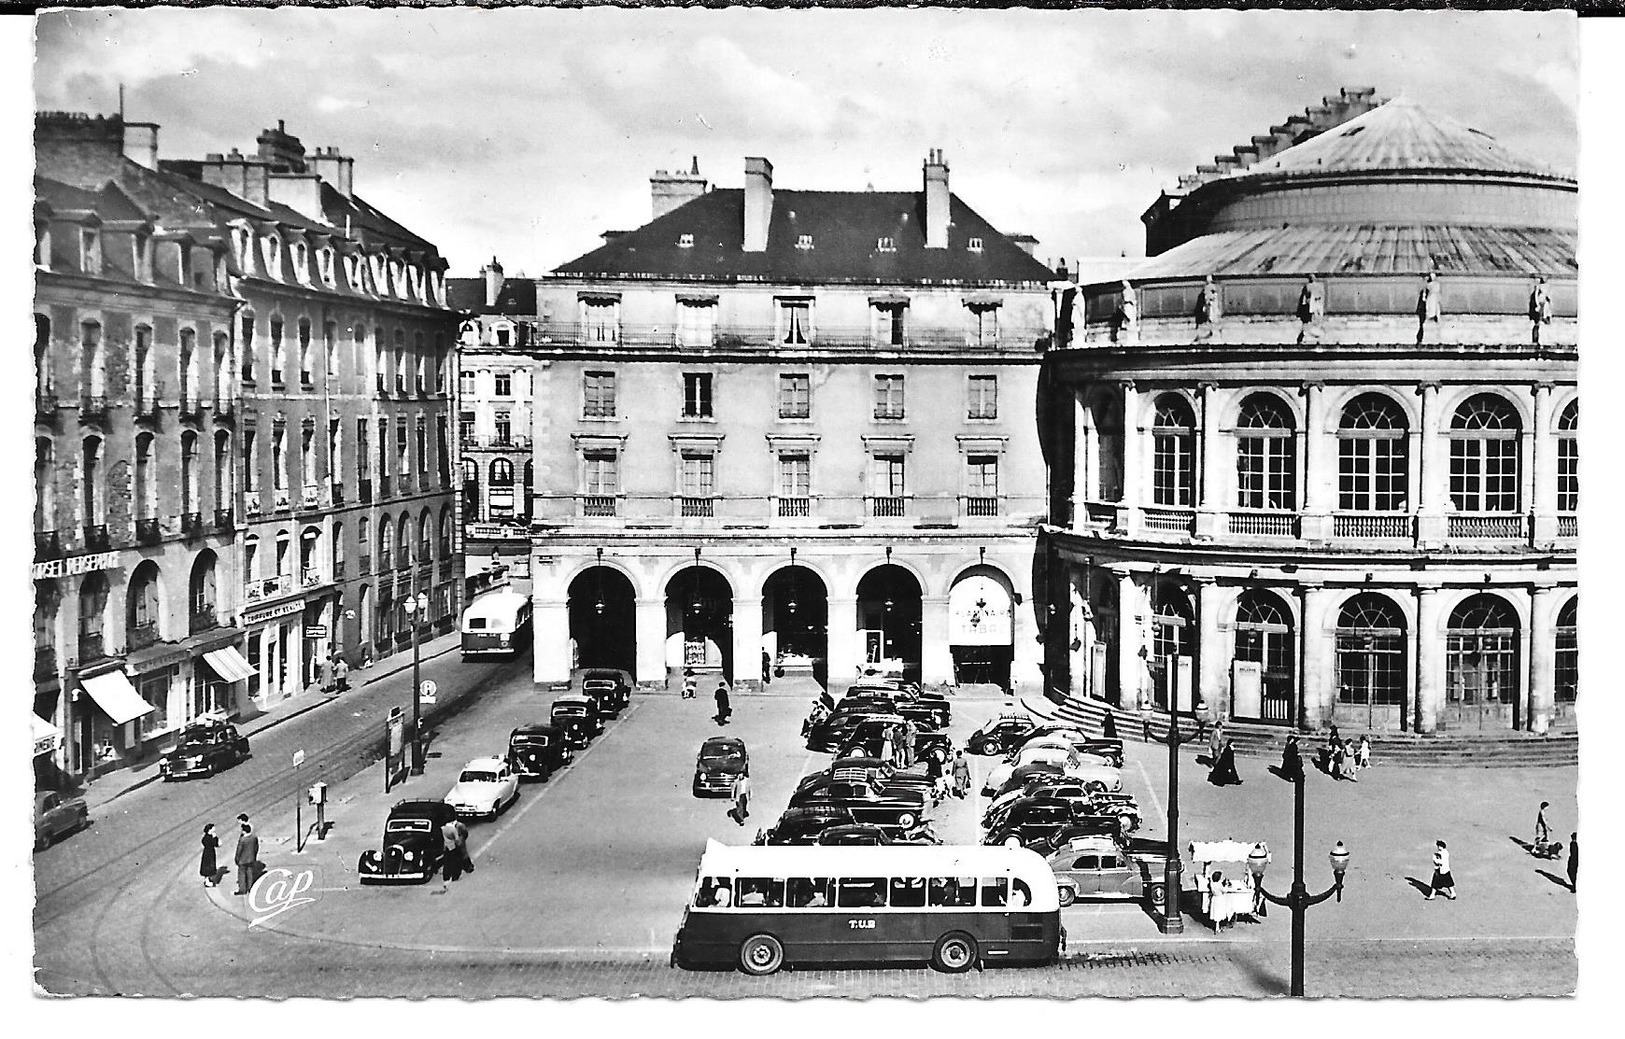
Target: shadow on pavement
[1424, 888]
[1268, 982]
[1562, 882]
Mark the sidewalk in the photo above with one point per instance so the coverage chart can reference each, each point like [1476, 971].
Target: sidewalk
[113, 785]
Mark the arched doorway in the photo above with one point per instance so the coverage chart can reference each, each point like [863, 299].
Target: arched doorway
[795, 623]
[889, 620]
[1481, 665]
[1262, 672]
[980, 630]
[1098, 632]
[1371, 663]
[603, 619]
[1173, 638]
[699, 620]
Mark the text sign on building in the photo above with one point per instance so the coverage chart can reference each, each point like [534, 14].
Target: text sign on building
[497, 532]
[286, 609]
[979, 613]
[315, 631]
[76, 565]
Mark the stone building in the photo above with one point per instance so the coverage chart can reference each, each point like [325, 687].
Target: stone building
[791, 426]
[307, 387]
[1315, 460]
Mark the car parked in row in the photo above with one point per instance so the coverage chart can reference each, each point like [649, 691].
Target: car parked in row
[866, 835]
[869, 803]
[1001, 734]
[484, 789]
[1069, 761]
[536, 750]
[412, 844]
[576, 715]
[881, 773]
[609, 688]
[801, 826]
[1090, 867]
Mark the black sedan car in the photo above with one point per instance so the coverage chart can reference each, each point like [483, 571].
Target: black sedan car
[1085, 826]
[412, 844]
[1030, 820]
[801, 826]
[721, 759]
[536, 750]
[204, 749]
[1108, 750]
[868, 802]
[578, 718]
[610, 689]
[1000, 734]
[928, 709]
[883, 774]
[865, 835]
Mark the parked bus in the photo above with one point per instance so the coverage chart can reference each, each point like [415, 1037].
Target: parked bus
[763, 906]
[496, 624]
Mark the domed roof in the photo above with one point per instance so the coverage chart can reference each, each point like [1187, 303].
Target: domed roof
[1399, 136]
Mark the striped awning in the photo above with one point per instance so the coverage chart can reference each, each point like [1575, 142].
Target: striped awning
[229, 664]
[116, 697]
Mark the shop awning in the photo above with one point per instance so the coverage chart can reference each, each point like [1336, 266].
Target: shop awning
[46, 735]
[229, 664]
[116, 697]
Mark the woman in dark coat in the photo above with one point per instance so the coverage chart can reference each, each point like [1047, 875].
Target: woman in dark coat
[1224, 766]
[207, 867]
[1291, 761]
[1108, 727]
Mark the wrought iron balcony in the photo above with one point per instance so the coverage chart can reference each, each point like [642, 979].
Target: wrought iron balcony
[311, 576]
[44, 662]
[202, 619]
[96, 539]
[251, 502]
[281, 499]
[47, 545]
[145, 404]
[260, 589]
[225, 409]
[310, 496]
[147, 531]
[192, 409]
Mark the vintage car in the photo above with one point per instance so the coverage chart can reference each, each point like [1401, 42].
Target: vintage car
[828, 734]
[1039, 785]
[611, 689]
[933, 745]
[1067, 759]
[412, 844]
[882, 774]
[870, 732]
[932, 713]
[868, 802]
[56, 816]
[801, 826]
[1081, 826]
[721, 758]
[536, 750]
[900, 686]
[863, 835]
[1000, 734]
[1103, 867]
[1109, 752]
[577, 717]
[203, 749]
[484, 789]
[1030, 819]
[867, 738]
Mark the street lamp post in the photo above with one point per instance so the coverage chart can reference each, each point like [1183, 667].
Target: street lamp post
[415, 605]
[1298, 899]
[1172, 921]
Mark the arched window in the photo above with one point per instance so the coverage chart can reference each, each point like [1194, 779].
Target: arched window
[445, 532]
[425, 537]
[246, 341]
[1568, 458]
[310, 556]
[1370, 652]
[92, 501]
[222, 471]
[141, 608]
[403, 542]
[222, 370]
[200, 592]
[44, 485]
[142, 364]
[1481, 653]
[400, 361]
[45, 384]
[307, 375]
[530, 485]
[337, 541]
[1266, 455]
[1173, 452]
[1372, 456]
[363, 542]
[1264, 636]
[501, 473]
[188, 369]
[189, 497]
[251, 558]
[471, 490]
[47, 604]
[279, 459]
[146, 475]
[307, 459]
[1484, 455]
[92, 361]
[386, 544]
[284, 553]
[279, 353]
[92, 615]
[1568, 651]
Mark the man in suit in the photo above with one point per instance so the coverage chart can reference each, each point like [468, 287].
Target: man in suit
[246, 857]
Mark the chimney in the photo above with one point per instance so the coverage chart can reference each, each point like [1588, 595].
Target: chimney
[300, 192]
[936, 200]
[282, 149]
[141, 144]
[242, 176]
[492, 272]
[758, 203]
[667, 191]
[75, 148]
[337, 170]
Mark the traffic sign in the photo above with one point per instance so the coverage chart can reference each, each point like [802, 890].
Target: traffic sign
[315, 631]
[298, 758]
[428, 690]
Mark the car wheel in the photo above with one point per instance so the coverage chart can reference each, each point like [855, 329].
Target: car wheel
[990, 747]
[1065, 894]
[1012, 841]
[761, 954]
[939, 755]
[907, 819]
[1158, 896]
[955, 953]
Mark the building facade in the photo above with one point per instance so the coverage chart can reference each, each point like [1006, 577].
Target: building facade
[790, 430]
[1316, 460]
[311, 401]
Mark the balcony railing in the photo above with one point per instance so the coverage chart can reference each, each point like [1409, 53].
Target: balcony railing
[1263, 524]
[191, 409]
[1169, 521]
[384, 486]
[696, 507]
[1568, 526]
[222, 519]
[307, 380]
[192, 524]
[251, 502]
[225, 410]
[202, 619]
[1374, 525]
[979, 505]
[263, 588]
[140, 636]
[795, 507]
[599, 504]
[497, 442]
[96, 539]
[145, 403]
[364, 491]
[147, 531]
[91, 647]
[44, 662]
[1488, 527]
[338, 492]
[888, 507]
[769, 337]
[92, 409]
[47, 545]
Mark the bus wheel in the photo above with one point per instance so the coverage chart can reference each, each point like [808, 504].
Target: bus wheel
[761, 954]
[1066, 895]
[955, 953]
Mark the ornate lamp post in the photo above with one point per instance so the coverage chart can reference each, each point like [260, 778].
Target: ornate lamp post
[1172, 921]
[415, 605]
[1298, 899]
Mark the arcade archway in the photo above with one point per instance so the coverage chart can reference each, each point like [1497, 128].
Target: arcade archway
[795, 623]
[603, 619]
[699, 620]
[980, 630]
[889, 620]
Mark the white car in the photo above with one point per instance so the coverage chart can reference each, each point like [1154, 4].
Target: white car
[1073, 765]
[485, 787]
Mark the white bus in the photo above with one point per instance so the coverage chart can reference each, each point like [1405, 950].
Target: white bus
[496, 624]
[761, 907]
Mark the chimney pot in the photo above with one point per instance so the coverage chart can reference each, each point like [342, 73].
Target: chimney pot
[936, 200]
[758, 203]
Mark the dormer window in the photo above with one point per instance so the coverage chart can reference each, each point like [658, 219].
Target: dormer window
[804, 241]
[300, 256]
[273, 256]
[90, 251]
[974, 245]
[380, 272]
[397, 277]
[885, 245]
[243, 240]
[352, 272]
[141, 257]
[685, 241]
[416, 275]
[324, 266]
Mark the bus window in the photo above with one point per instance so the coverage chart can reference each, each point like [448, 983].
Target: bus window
[714, 891]
[907, 892]
[807, 892]
[951, 891]
[476, 623]
[761, 891]
[1021, 895]
[995, 891]
[862, 893]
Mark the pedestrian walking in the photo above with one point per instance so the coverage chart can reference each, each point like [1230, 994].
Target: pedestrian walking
[1145, 716]
[207, 865]
[1362, 753]
[319, 668]
[741, 795]
[1224, 771]
[341, 674]
[723, 708]
[451, 856]
[1339, 761]
[961, 774]
[1261, 905]
[767, 668]
[1291, 760]
[1443, 883]
[1215, 741]
[247, 855]
[1574, 862]
[1108, 726]
[1543, 832]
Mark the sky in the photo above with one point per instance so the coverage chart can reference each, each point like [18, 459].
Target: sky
[524, 133]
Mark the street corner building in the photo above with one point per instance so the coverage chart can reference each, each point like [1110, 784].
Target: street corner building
[1315, 460]
[242, 453]
[774, 433]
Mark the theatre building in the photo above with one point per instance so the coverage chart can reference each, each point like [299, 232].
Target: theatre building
[791, 428]
[1337, 483]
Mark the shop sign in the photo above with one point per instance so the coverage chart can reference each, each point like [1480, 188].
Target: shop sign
[285, 609]
[76, 565]
[315, 631]
[979, 613]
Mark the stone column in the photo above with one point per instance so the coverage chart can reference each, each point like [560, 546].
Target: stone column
[1317, 649]
[843, 649]
[550, 624]
[1080, 640]
[747, 649]
[1211, 652]
[1211, 491]
[1130, 639]
[651, 638]
[1429, 640]
[1128, 515]
[1082, 432]
[1541, 498]
[1430, 462]
[1540, 645]
[1319, 466]
[936, 659]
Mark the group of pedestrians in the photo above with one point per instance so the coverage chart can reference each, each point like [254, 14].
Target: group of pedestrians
[246, 856]
[691, 688]
[1343, 759]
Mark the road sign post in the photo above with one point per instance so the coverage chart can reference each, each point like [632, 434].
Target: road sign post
[298, 805]
[394, 748]
[429, 690]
